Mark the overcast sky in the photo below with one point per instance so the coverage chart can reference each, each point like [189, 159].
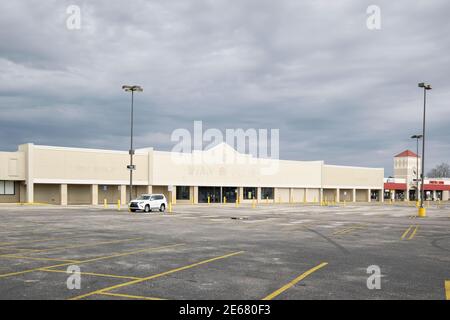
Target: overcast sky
[337, 91]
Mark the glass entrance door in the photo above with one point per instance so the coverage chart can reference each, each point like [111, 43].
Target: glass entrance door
[230, 193]
[212, 192]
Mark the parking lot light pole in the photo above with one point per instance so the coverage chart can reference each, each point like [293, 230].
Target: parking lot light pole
[426, 87]
[131, 166]
[417, 137]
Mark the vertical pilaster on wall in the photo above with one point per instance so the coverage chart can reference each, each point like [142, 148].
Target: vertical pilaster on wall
[94, 194]
[369, 195]
[241, 194]
[338, 195]
[321, 195]
[28, 149]
[195, 195]
[407, 194]
[23, 192]
[353, 195]
[258, 198]
[150, 170]
[434, 195]
[291, 195]
[123, 194]
[305, 194]
[381, 195]
[174, 194]
[63, 194]
[149, 190]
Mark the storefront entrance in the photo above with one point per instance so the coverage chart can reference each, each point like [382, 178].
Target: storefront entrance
[214, 194]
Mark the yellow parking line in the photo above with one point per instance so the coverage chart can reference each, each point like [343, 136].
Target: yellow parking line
[11, 256]
[413, 233]
[342, 230]
[89, 260]
[80, 246]
[348, 230]
[447, 289]
[156, 275]
[93, 274]
[8, 244]
[293, 282]
[406, 232]
[129, 296]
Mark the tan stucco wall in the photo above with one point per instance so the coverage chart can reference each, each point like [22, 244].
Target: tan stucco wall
[362, 196]
[346, 195]
[352, 177]
[282, 195]
[298, 195]
[446, 195]
[12, 166]
[312, 195]
[168, 170]
[329, 195]
[47, 193]
[53, 165]
[78, 194]
[111, 194]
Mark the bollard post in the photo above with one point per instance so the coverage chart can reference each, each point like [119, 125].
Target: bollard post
[105, 203]
[209, 200]
[118, 205]
[225, 200]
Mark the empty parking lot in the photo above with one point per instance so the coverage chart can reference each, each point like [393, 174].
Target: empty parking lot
[224, 252]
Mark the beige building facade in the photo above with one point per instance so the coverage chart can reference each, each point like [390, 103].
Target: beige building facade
[73, 176]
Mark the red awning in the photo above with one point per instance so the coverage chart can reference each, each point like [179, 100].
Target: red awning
[394, 186]
[432, 187]
[428, 187]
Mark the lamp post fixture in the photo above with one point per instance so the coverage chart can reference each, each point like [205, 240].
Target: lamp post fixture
[417, 137]
[131, 166]
[426, 87]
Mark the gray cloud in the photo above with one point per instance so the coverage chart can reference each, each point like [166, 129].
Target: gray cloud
[336, 90]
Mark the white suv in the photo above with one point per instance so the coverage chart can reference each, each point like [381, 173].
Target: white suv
[148, 202]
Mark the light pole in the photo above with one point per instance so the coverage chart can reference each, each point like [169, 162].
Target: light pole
[417, 137]
[426, 87]
[131, 166]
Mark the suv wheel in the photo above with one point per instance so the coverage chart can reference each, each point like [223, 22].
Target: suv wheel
[147, 208]
[162, 208]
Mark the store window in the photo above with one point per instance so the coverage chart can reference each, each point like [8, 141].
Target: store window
[267, 193]
[250, 193]
[7, 188]
[183, 193]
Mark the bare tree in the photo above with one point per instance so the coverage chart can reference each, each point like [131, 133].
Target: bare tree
[440, 171]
